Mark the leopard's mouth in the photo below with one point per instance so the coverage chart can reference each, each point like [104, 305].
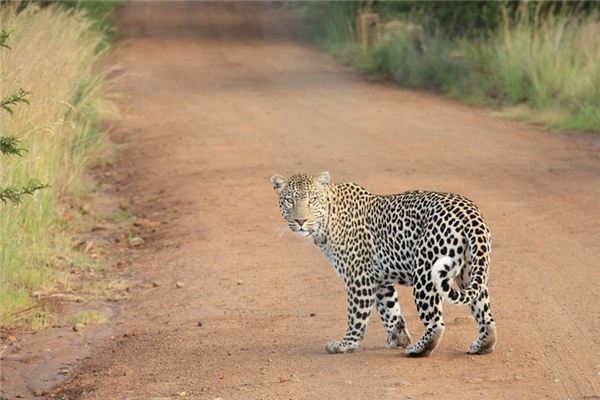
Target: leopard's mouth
[302, 231]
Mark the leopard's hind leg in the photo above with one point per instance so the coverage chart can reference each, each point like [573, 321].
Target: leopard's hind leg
[429, 306]
[480, 308]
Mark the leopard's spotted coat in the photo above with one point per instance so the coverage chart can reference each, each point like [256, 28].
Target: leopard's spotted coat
[438, 243]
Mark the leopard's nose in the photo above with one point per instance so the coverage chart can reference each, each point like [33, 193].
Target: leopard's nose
[300, 222]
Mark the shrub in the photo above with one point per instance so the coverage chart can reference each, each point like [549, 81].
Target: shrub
[541, 61]
[53, 55]
[547, 60]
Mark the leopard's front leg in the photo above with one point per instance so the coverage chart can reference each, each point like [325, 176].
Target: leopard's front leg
[361, 295]
[391, 316]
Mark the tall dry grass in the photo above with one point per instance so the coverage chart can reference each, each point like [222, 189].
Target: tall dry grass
[54, 56]
[539, 64]
[545, 63]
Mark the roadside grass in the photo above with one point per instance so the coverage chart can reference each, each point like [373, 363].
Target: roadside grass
[548, 61]
[538, 64]
[331, 23]
[54, 53]
[121, 216]
[101, 13]
[81, 262]
[104, 288]
[88, 317]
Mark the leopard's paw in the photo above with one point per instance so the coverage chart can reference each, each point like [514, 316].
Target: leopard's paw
[486, 342]
[416, 350]
[426, 344]
[400, 338]
[481, 347]
[337, 346]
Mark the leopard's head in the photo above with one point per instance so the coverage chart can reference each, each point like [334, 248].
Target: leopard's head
[303, 201]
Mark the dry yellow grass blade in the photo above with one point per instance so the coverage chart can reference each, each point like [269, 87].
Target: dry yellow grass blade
[53, 54]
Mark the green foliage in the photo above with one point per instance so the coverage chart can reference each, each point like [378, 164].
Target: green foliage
[332, 22]
[9, 145]
[88, 317]
[11, 100]
[97, 10]
[427, 67]
[472, 18]
[121, 216]
[15, 195]
[586, 119]
[102, 13]
[4, 36]
[540, 61]
[548, 60]
[61, 133]
[451, 17]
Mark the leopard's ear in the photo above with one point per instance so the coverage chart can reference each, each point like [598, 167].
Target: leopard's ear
[324, 178]
[278, 182]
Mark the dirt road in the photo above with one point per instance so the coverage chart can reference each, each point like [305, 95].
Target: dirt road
[220, 97]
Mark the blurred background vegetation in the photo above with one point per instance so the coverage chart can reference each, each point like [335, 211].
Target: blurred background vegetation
[538, 61]
[52, 55]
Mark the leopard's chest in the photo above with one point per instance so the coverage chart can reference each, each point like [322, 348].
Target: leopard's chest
[335, 259]
[347, 250]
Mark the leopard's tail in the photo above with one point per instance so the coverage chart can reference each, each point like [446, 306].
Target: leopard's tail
[445, 271]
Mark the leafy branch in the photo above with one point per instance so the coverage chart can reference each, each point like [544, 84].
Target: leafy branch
[4, 36]
[9, 145]
[11, 100]
[14, 194]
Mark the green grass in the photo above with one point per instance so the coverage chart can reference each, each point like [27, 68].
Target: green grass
[586, 119]
[121, 216]
[54, 55]
[81, 262]
[549, 62]
[332, 22]
[88, 317]
[101, 13]
[399, 59]
[537, 64]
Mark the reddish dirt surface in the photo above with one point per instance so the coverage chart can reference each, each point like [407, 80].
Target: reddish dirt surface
[220, 97]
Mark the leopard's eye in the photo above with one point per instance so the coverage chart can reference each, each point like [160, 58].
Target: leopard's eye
[288, 201]
[312, 200]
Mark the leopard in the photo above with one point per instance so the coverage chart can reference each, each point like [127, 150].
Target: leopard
[437, 243]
